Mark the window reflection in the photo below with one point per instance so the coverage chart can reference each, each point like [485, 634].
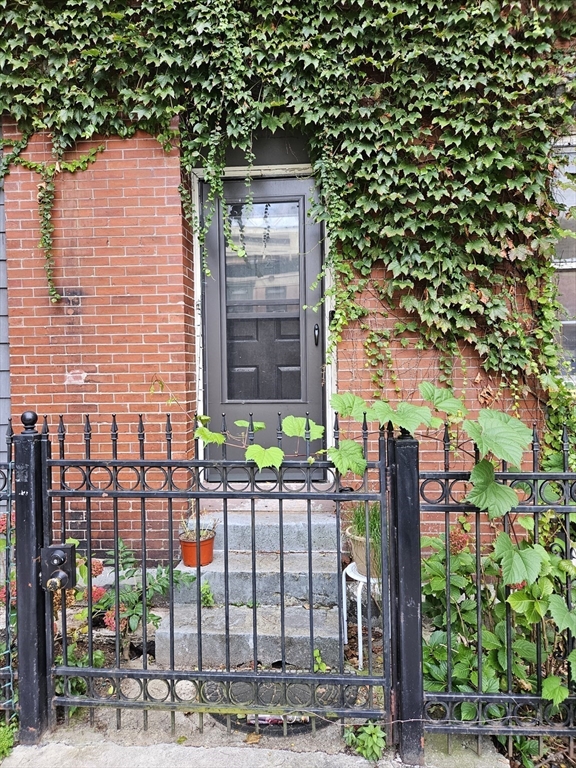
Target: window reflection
[269, 235]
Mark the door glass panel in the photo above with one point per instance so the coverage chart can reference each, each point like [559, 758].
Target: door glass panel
[262, 278]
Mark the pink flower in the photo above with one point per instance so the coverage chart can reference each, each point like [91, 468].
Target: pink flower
[12, 594]
[110, 619]
[97, 594]
[97, 566]
[4, 522]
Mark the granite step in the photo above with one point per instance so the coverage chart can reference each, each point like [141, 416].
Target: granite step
[267, 529]
[325, 575]
[298, 646]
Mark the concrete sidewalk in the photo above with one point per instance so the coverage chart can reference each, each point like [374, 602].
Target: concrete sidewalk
[106, 755]
[102, 746]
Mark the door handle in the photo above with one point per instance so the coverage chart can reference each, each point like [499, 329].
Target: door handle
[316, 334]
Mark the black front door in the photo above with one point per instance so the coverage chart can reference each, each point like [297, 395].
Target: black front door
[263, 341]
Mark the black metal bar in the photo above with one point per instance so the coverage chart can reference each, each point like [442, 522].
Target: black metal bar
[31, 621]
[410, 677]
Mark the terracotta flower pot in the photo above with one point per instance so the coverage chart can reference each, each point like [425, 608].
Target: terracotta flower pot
[190, 548]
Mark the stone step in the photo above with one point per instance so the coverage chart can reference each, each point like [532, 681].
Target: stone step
[298, 647]
[267, 530]
[325, 570]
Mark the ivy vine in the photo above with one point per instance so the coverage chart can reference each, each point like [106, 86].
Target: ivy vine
[431, 127]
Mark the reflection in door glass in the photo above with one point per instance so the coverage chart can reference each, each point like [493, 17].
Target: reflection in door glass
[263, 302]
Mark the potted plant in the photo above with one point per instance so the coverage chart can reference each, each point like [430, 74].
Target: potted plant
[356, 535]
[197, 534]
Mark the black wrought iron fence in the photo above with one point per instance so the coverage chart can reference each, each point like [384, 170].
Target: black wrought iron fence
[257, 635]
[498, 604]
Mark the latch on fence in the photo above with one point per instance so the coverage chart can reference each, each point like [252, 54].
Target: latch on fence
[58, 567]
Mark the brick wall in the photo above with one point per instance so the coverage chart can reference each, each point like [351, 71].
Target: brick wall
[123, 268]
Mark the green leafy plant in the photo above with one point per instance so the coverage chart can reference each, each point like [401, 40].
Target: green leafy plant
[497, 436]
[368, 740]
[518, 574]
[7, 735]
[365, 524]
[76, 686]
[128, 607]
[206, 595]
[319, 663]
[524, 749]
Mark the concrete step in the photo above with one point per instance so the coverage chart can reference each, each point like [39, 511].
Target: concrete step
[298, 648]
[325, 575]
[267, 530]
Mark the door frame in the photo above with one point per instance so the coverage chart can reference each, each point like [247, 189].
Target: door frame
[303, 171]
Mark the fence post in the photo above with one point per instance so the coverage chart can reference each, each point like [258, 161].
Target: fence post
[406, 520]
[31, 617]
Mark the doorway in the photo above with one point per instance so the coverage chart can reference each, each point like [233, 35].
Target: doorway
[263, 341]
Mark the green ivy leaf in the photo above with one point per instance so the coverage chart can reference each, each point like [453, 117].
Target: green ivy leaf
[562, 616]
[499, 434]
[347, 404]
[571, 659]
[295, 426]
[526, 649]
[348, 457]
[257, 425]
[442, 399]
[527, 605]
[407, 416]
[487, 494]
[207, 436]
[554, 690]
[265, 457]
[518, 565]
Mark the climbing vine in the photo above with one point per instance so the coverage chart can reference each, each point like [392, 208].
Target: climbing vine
[430, 126]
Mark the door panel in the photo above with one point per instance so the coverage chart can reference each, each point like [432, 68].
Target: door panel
[262, 354]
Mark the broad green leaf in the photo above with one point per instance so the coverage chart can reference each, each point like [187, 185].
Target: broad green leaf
[499, 434]
[348, 457]
[383, 413]
[567, 566]
[411, 417]
[407, 416]
[468, 711]
[489, 640]
[571, 659]
[347, 404]
[295, 426]
[533, 609]
[265, 457]
[518, 565]
[487, 494]
[562, 616]
[526, 649]
[204, 434]
[257, 425]
[554, 690]
[442, 399]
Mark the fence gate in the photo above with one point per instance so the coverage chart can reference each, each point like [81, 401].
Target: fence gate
[257, 636]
